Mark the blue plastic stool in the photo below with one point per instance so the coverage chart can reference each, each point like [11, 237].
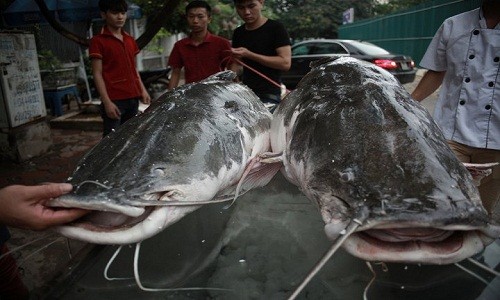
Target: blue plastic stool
[54, 98]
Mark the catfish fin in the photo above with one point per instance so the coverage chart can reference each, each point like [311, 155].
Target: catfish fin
[479, 171]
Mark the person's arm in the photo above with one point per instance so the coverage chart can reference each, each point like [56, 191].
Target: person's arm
[429, 83]
[281, 61]
[145, 97]
[112, 111]
[24, 206]
[174, 78]
[236, 68]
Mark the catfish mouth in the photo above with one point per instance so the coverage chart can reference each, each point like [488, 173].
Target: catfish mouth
[104, 221]
[112, 214]
[120, 219]
[425, 245]
[401, 234]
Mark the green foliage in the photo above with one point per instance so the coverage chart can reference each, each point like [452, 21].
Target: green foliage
[302, 18]
[393, 6]
[48, 61]
[174, 23]
[155, 45]
[224, 19]
[317, 18]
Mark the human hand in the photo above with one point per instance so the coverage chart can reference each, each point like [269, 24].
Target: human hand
[112, 111]
[240, 52]
[24, 206]
[145, 98]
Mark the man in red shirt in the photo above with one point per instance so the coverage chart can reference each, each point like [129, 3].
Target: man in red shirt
[116, 78]
[201, 54]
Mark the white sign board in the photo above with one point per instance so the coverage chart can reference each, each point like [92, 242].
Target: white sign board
[348, 16]
[20, 80]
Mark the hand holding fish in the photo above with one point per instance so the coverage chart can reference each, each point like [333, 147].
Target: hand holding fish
[24, 206]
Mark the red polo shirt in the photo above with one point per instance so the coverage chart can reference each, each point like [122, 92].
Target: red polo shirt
[202, 60]
[118, 63]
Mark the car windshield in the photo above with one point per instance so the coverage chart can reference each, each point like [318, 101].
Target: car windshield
[301, 49]
[368, 48]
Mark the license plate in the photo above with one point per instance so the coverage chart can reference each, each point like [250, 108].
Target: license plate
[404, 66]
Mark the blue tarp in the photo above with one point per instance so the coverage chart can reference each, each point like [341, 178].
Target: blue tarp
[23, 12]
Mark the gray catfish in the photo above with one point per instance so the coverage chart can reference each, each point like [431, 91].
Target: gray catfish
[378, 167]
[197, 144]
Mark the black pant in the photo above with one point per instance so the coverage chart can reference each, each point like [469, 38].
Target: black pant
[128, 108]
[270, 100]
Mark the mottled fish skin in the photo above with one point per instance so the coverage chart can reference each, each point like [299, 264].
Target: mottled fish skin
[354, 141]
[192, 144]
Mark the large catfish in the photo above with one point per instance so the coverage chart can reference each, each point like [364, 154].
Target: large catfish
[378, 167]
[197, 144]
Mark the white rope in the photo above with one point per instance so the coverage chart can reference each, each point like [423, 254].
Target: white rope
[471, 273]
[138, 279]
[365, 292]
[108, 265]
[349, 230]
[484, 267]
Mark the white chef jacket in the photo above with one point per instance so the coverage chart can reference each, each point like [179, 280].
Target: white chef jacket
[468, 108]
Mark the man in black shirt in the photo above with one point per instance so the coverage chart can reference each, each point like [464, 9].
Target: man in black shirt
[263, 45]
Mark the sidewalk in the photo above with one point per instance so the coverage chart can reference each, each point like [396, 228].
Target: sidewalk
[41, 261]
[55, 165]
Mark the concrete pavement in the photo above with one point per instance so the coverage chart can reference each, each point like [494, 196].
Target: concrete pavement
[37, 268]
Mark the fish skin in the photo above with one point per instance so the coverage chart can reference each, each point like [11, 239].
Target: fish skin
[193, 144]
[356, 144]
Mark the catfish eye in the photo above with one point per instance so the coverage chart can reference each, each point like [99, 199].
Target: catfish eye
[347, 175]
[159, 171]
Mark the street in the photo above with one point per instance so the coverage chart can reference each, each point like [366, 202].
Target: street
[428, 103]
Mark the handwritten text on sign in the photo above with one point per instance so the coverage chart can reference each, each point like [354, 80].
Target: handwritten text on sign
[20, 78]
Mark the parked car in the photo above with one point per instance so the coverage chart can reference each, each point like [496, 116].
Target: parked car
[303, 53]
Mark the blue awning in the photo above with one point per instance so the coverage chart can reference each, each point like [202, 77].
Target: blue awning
[24, 12]
[74, 11]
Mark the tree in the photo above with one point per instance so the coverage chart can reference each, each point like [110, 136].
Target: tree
[154, 24]
[302, 18]
[224, 19]
[395, 5]
[317, 18]
[157, 21]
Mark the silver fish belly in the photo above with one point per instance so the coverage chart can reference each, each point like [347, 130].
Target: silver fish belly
[196, 144]
[360, 148]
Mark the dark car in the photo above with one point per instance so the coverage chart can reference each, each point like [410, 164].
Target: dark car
[303, 53]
